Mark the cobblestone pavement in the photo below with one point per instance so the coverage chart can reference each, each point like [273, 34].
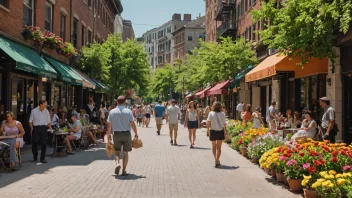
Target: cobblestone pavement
[157, 170]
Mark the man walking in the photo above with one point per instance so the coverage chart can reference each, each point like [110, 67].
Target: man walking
[148, 110]
[270, 116]
[39, 123]
[183, 109]
[328, 120]
[120, 122]
[239, 109]
[172, 117]
[159, 111]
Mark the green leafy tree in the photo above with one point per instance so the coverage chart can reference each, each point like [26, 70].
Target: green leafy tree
[162, 80]
[304, 28]
[96, 61]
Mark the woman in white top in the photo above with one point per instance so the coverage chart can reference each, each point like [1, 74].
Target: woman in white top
[257, 118]
[216, 128]
[308, 128]
[192, 122]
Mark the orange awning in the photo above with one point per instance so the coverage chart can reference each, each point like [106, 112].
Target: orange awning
[275, 63]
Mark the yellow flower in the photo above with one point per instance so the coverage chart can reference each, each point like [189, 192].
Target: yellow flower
[329, 177]
[331, 185]
[340, 181]
[347, 175]
[304, 182]
[323, 173]
[316, 184]
[321, 180]
[326, 183]
[307, 177]
[332, 172]
[338, 175]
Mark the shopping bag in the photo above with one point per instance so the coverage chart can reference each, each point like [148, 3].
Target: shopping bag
[137, 143]
[110, 149]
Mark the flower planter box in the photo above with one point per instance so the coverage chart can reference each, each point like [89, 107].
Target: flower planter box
[280, 177]
[295, 185]
[309, 193]
[255, 160]
[273, 173]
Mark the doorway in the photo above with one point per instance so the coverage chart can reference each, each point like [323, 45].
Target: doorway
[24, 98]
[347, 109]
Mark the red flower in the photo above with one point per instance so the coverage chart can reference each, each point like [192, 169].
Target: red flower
[316, 143]
[343, 152]
[312, 169]
[289, 151]
[301, 154]
[335, 153]
[316, 163]
[289, 154]
[322, 161]
[334, 159]
[350, 155]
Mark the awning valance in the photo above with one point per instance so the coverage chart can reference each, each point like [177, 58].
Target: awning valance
[26, 58]
[66, 72]
[202, 93]
[240, 76]
[276, 63]
[218, 88]
[87, 81]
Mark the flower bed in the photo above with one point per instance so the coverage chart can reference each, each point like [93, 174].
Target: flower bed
[321, 168]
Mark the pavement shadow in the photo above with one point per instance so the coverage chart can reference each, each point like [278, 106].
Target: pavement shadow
[181, 145]
[201, 148]
[282, 185]
[226, 167]
[29, 167]
[129, 177]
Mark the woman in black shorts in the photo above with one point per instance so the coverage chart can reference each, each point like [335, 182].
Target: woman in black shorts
[216, 126]
[192, 121]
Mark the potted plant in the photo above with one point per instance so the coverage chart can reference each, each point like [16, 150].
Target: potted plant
[33, 34]
[294, 174]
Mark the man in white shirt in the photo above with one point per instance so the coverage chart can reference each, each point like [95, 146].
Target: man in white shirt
[173, 117]
[239, 109]
[39, 122]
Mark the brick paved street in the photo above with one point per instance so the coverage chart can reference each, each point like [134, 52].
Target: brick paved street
[157, 170]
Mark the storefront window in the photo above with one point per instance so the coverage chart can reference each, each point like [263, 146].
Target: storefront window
[55, 96]
[70, 96]
[44, 91]
[312, 88]
[64, 95]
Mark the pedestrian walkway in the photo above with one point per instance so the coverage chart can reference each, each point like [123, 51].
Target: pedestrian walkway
[157, 170]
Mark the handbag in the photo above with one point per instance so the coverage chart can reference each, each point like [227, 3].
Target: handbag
[110, 149]
[137, 143]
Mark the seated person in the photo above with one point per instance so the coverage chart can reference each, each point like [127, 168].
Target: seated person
[308, 128]
[76, 131]
[296, 120]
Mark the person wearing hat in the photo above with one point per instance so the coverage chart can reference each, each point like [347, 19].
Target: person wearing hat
[172, 117]
[328, 120]
[120, 121]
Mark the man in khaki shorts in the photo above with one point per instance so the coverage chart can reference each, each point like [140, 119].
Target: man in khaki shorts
[159, 111]
[173, 117]
[120, 122]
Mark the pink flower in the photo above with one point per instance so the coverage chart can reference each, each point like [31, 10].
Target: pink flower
[291, 162]
[282, 158]
[305, 166]
[346, 168]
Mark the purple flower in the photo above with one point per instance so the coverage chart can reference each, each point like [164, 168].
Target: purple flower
[346, 168]
[305, 166]
[282, 158]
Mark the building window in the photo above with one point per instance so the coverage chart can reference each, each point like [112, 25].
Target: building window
[4, 3]
[89, 36]
[75, 32]
[160, 59]
[62, 26]
[48, 17]
[28, 6]
[190, 36]
[83, 36]
[90, 3]
[253, 33]
[169, 29]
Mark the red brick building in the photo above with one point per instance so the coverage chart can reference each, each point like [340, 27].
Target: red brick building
[30, 72]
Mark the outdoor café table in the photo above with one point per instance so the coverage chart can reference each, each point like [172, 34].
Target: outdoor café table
[287, 131]
[58, 142]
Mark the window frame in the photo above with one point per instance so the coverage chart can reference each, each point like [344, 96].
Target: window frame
[63, 32]
[5, 4]
[32, 11]
[83, 40]
[89, 36]
[190, 35]
[51, 16]
[75, 33]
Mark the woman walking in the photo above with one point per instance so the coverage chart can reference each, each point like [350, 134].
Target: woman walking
[247, 115]
[192, 122]
[257, 118]
[216, 128]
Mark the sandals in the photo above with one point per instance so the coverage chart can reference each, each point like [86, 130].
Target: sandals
[175, 143]
[191, 146]
[217, 164]
[124, 173]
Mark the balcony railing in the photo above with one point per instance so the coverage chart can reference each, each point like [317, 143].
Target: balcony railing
[224, 9]
[227, 28]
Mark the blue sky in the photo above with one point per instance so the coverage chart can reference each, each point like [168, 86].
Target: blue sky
[158, 12]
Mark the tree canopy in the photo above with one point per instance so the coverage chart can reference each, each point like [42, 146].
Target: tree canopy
[304, 28]
[210, 63]
[121, 65]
